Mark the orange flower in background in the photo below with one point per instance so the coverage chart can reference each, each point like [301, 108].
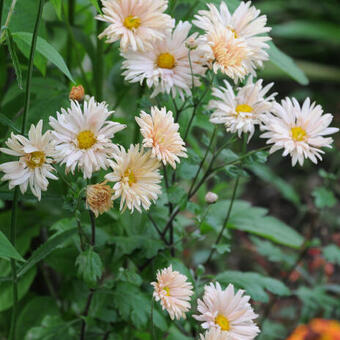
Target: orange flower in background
[317, 329]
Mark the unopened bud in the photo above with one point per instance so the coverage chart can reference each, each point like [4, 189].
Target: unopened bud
[77, 93]
[99, 198]
[211, 197]
[191, 43]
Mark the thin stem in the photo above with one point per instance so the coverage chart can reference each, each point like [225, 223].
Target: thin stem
[93, 228]
[30, 67]
[1, 9]
[13, 263]
[202, 161]
[85, 314]
[9, 15]
[156, 227]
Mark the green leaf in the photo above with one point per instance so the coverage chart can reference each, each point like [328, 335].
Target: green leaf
[7, 122]
[6, 288]
[14, 57]
[253, 220]
[47, 248]
[46, 49]
[254, 284]
[7, 251]
[286, 64]
[95, 4]
[332, 254]
[90, 266]
[222, 248]
[323, 198]
[57, 4]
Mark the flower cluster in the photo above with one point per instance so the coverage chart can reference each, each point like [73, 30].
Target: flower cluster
[224, 313]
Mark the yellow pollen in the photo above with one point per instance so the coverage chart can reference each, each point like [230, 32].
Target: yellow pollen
[298, 134]
[132, 22]
[243, 108]
[86, 139]
[35, 159]
[131, 178]
[223, 322]
[166, 60]
[234, 31]
[167, 291]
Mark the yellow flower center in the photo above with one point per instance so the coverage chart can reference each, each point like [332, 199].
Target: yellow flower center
[234, 31]
[223, 322]
[167, 291]
[166, 60]
[132, 22]
[243, 108]
[131, 178]
[86, 139]
[35, 159]
[298, 134]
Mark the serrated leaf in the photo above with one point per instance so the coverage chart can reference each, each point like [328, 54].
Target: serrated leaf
[254, 284]
[14, 57]
[90, 266]
[7, 251]
[47, 248]
[45, 49]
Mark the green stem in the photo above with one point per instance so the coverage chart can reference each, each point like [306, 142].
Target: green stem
[30, 67]
[13, 264]
[1, 8]
[9, 15]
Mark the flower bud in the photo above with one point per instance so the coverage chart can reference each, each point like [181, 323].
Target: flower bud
[99, 198]
[211, 197]
[191, 43]
[77, 93]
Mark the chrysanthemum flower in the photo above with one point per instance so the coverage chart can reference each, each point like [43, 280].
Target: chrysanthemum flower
[236, 41]
[173, 291]
[229, 312]
[99, 198]
[161, 134]
[215, 334]
[241, 112]
[298, 130]
[137, 178]
[166, 66]
[34, 165]
[83, 136]
[137, 24]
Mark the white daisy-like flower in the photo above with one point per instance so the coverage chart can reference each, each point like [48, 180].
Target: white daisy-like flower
[161, 134]
[83, 136]
[241, 112]
[137, 178]
[215, 334]
[236, 42]
[34, 165]
[136, 23]
[173, 291]
[299, 130]
[166, 67]
[229, 312]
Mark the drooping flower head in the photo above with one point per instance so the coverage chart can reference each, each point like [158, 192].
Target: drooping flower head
[99, 198]
[161, 134]
[136, 23]
[137, 178]
[236, 41]
[228, 312]
[173, 291]
[35, 158]
[241, 112]
[299, 130]
[166, 66]
[83, 136]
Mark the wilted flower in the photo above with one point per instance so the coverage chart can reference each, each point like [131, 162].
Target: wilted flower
[34, 165]
[99, 198]
[173, 291]
[137, 24]
[83, 136]
[137, 178]
[241, 112]
[298, 130]
[166, 67]
[229, 312]
[77, 93]
[161, 134]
